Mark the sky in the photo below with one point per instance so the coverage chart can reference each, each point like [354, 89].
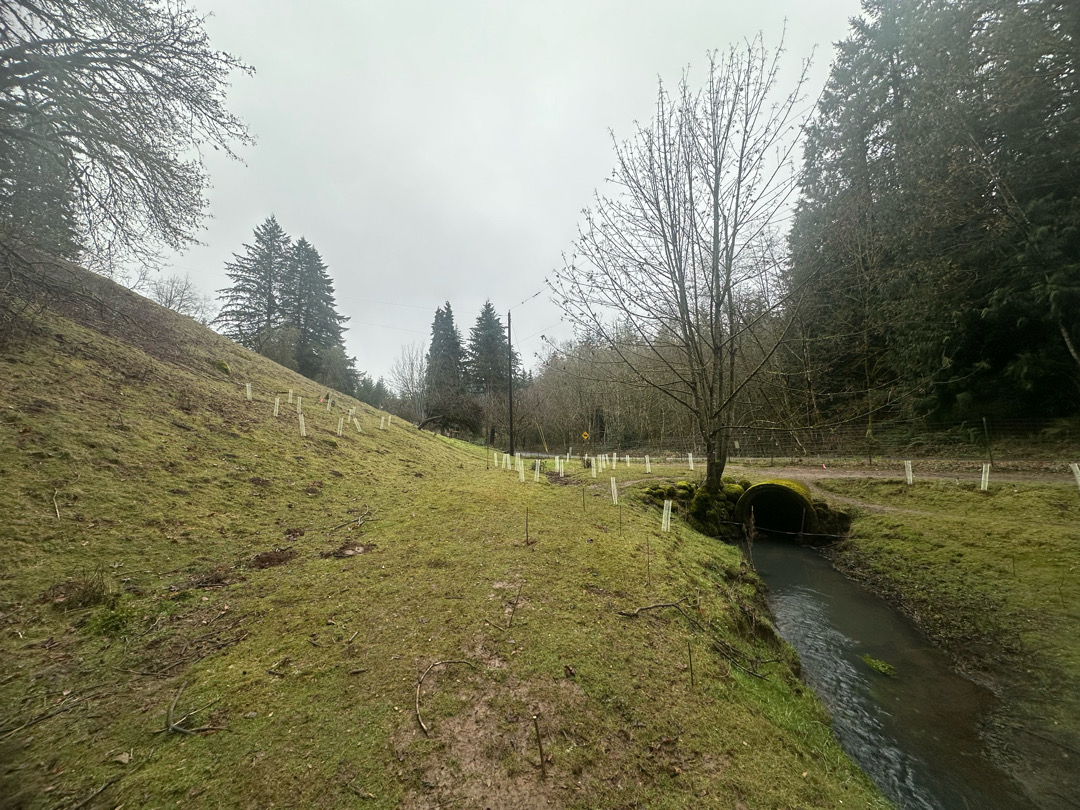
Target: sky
[443, 150]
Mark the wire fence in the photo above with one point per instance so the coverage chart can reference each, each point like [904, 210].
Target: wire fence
[987, 440]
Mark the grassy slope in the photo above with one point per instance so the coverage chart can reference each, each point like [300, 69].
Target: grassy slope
[993, 577]
[168, 483]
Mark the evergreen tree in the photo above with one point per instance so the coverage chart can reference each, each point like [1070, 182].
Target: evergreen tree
[939, 213]
[37, 204]
[306, 302]
[486, 357]
[487, 367]
[250, 312]
[448, 403]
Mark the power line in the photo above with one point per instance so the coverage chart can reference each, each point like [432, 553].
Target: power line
[530, 298]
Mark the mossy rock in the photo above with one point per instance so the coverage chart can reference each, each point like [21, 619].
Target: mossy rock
[732, 492]
[222, 366]
[745, 484]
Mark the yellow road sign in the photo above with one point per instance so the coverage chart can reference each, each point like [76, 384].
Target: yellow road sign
[585, 435]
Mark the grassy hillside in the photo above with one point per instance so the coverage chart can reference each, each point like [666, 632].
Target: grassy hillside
[201, 607]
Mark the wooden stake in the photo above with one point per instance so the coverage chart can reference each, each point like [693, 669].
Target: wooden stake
[540, 745]
[648, 562]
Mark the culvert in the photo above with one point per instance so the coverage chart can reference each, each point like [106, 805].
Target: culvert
[779, 505]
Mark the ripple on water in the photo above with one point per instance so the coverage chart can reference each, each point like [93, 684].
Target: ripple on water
[915, 734]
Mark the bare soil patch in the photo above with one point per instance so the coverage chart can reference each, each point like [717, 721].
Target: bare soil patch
[274, 557]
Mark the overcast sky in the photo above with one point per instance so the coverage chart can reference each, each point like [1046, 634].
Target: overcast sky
[438, 150]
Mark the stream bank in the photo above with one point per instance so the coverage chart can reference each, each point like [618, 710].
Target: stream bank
[992, 578]
[897, 707]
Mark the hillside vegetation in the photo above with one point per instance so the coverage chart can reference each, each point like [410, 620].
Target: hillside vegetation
[201, 607]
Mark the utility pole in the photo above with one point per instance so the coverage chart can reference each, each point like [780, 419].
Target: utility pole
[510, 376]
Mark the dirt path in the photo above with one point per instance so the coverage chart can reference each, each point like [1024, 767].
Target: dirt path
[959, 471]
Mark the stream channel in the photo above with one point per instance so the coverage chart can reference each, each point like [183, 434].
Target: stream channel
[914, 733]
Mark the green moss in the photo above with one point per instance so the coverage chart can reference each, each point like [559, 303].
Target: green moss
[222, 366]
[878, 665]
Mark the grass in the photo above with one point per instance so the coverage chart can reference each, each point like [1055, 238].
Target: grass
[992, 577]
[292, 591]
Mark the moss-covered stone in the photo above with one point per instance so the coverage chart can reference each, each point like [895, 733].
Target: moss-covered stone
[732, 492]
[222, 366]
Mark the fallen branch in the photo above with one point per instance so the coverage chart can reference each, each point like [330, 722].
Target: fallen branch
[421, 683]
[731, 656]
[174, 727]
[633, 614]
[360, 520]
[517, 599]
[99, 791]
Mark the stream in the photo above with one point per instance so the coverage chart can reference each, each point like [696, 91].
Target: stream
[914, 733]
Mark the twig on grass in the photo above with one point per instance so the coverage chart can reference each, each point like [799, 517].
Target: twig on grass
[175, 727]
[633, 614]
[513, 610]
[99, 791]
[421, 683]
[57, 508]
[540, 745]
[360, 520]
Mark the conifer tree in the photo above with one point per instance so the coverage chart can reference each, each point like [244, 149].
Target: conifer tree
[445, 380]
[250, 310]
[487, 368]
[486, 361]
[307, 305]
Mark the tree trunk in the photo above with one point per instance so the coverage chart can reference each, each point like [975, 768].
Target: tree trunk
[716, 455]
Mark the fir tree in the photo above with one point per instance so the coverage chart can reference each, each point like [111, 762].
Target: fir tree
[445, 380]
[250, 312]
[486, 361]
[306, 301]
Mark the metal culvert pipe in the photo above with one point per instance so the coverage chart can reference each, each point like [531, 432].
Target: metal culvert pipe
[779, 505]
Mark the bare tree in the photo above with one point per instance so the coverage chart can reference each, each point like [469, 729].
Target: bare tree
[409, 376]
[180, 294]
[118, 98]
[681, 254]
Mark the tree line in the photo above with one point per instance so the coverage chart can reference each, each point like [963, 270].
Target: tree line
[456, 385]
[931, 269]
[938, 224]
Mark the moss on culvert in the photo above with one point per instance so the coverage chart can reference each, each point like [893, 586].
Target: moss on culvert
[779, 505]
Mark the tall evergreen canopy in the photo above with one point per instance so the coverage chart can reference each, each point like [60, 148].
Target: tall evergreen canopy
[282, 305]
[939, 224]
[307, 304]
[250, 310]
[445, 359]
[445, 381]
[486, 353]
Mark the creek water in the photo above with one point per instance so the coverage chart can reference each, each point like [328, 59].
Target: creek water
[914, 733]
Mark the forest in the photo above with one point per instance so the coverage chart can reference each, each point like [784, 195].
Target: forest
[924, 269]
